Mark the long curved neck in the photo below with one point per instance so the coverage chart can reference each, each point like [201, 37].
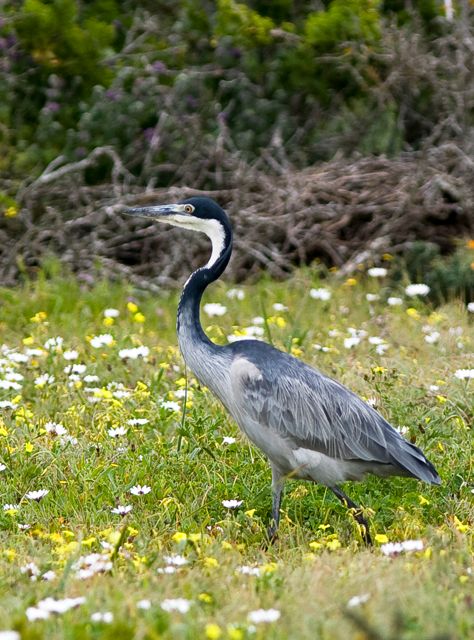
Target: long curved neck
[191, 335]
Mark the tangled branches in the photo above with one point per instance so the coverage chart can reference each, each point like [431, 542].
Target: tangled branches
[341, 212]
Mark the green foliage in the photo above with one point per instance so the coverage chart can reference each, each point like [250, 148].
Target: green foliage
[60, 42]
[343, 21]
[448, 277]
[77, 75]
[246, 27]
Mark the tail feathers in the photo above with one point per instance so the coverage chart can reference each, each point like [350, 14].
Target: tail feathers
[411, 459]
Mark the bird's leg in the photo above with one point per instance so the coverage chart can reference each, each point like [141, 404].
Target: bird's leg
[356, 512]
[277, 491]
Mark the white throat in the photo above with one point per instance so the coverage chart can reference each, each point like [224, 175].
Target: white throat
[212, 228]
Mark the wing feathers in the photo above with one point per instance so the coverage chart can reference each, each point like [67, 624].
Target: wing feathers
[317, 413]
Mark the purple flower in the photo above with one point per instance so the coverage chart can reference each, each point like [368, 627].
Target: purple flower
[159, 67]
[52, 107]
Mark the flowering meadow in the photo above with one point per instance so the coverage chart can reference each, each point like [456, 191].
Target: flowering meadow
[132, 507]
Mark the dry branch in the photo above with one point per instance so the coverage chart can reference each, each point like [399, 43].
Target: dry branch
[342, 213]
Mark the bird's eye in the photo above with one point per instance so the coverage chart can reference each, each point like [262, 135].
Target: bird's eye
[188, 208]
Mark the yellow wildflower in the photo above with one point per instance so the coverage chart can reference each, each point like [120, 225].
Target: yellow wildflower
[205, 597]
[351, 282]
[381, 538]
[139, 317]
[332, 545]
[10, 212]
[210, 562]
[39, 317]
[460, 526]
[108, 322]
[213, 631]
[179, 536]
[234, 633]
[413, 313]
[132, 307]
[28, 447]
[315, 545]
[422, 500]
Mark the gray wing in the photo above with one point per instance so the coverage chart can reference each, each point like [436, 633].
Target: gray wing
[318, 413]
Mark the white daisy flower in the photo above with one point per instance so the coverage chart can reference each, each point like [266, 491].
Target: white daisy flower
[264, 615]
[134, 353]
[166, 570]
[122, 510]
[72, 354]
[237, 294]
[11, 507]
[48, 576]
[464, 374]
[78, 369]
[432, 338]
[111, 313]
[43, 380]
[228, 440]
[351, 342]
[214, 309]
[9, 635]
[31, 569]
[181, 605]
[393, 301]
[470, 307]
[6, 404]
[20, 358]
[102, 340]
[371, 297]
[245, 570]
[2, 466]
[319, 347]
[377, 272]
[8, 384]
[54, 344]
[232, 504]
[175, 560]
[170, 405]
[278, 306]
[140, 490]
[395, 548]
[92, 564]
[356, 601]
[117, 432]
[141, 604]
[36, 495]
[320, 294]
[88, 379]
[133, 422]
[102, 616]
[55, 428]
[420, 289]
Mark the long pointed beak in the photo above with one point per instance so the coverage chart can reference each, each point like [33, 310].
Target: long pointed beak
[158, 211]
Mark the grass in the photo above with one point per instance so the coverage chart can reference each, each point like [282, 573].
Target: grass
[318, 563]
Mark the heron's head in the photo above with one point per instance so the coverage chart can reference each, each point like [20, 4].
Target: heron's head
[193, 213]
[197, 214]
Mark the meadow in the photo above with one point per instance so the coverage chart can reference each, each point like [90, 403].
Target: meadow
[132, 507]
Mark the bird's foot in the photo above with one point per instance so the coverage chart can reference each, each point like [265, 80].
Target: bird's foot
[272, 534]
[363, 528]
